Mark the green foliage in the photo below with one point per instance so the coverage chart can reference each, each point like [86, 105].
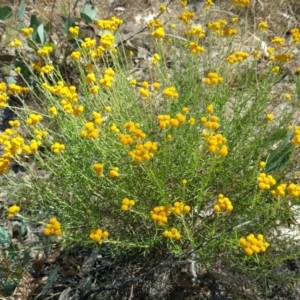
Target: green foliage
[4, 237]
[5, 12]
[88, 13]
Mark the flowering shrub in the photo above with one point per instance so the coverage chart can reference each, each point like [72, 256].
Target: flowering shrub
[106, 136]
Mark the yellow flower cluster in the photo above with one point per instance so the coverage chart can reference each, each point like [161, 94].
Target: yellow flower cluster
[160, 214]
[179, 208]
[276, 69]
[269, 117]
[162, 8]
[296, 137]
[40, 134]
[279, 191]
[3, 95]
[238, 56]
[143, 152]
[111, 24]
[154, 24]
[186, 17]
[155, 59]
[125, 139]
[75, 55]
[113, 173]
[114, 128]
[216, 143]
[196, 31]
[135, 130]
[210, 122]
[46, 50]
[107, 40]
[127, 204]
[14, 123]
[183, 3]
[295, 32]
[98, 169]
[90, 131]
[88, 43]
[293, 190]
[13, 210]
[283, 57]
[74, 31]
[52, 228]
[69, 97]
[218, 26]
[159, 33]
[265, 181]
[252, 244]
[27, 31]
[14, 144]
[35, 143]
[57, 147]
[15, 89]
[195, 48]
[213, 79]
[278, 40]
[108, 78]
[228, 31]
[90, 78]
[46, 69]
[263, 25]
[208, 4]
[166, 120]
[15, 43]
[97, 235]
[33, 119]
[172, 234]
[171, 92]
[223, 204]
[241, 2]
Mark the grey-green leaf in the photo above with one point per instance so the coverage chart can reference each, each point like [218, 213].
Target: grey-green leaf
[4, 237]
[21, 10]
[65, 294]
[41, 33]
[88, 13]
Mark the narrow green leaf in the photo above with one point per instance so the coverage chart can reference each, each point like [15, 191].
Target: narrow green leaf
[298, 86]
[24, 71]
[34, 22]
[5, 12]
[21, 10]
[48, 27]
[31, 43]
[4, 237]
[23, 228]
[279, 157]
[9, 286]
[50, 281]
[26, 260]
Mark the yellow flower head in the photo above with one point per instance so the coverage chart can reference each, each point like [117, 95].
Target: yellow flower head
[13, 210]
